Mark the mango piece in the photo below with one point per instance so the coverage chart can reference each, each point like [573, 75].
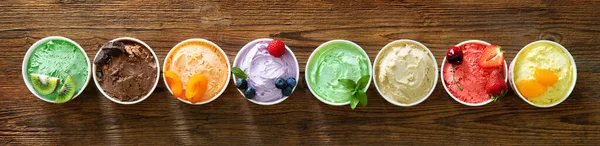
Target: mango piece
[174, 83]
[545, 77]
[196, 100]
[530, 88]
[196, 87]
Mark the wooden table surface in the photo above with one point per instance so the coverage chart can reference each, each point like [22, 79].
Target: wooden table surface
[301, 119]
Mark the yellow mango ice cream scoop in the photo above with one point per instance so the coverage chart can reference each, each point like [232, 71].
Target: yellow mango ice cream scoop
[543, 73]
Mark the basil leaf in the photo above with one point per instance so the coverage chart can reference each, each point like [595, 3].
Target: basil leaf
[362, 97]
[347, 83]
[238, 73]
[362, 82]
[353, 102]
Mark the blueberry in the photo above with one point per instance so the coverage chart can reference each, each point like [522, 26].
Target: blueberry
[291, 82]
[242, 84]
[250, 93]
[286, 91]
[280, 83]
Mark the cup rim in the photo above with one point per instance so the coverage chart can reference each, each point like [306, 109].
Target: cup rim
[149, 92]
[30, 51]
[454, 97]
[572, 86]
[435, 79]
[246, 47]
[204, 41]
[321, 47]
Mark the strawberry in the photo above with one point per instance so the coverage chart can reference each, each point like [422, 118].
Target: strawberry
[496, 86]
[493, 56]
[276, 48]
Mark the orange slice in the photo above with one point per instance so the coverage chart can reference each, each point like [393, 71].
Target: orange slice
[174, 83]
[196, 87]
[545, 77]
[530, 88]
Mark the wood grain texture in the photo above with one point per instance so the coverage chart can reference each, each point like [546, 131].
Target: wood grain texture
[301, 119]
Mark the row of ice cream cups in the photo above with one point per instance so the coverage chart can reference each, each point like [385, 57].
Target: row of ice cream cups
[405, 72]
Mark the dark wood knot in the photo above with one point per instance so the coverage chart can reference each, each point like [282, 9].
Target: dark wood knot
[551, 36]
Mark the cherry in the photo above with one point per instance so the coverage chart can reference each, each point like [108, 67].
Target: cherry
[454, 55]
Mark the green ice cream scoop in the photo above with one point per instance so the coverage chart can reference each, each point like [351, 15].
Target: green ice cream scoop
[334, 60]
[57, 57]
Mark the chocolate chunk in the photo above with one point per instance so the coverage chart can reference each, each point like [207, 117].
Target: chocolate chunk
[108, 51]
[99, 73]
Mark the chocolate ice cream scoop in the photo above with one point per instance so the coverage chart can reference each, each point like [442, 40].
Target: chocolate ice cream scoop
[126, 70]
[108, 51]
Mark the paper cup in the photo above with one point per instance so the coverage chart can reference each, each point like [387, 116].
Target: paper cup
[514, 86]
[149, 92]
[308, 65]
[454, 97]
[390, 99]
[249, 46]
[26, 61]
[222, 53]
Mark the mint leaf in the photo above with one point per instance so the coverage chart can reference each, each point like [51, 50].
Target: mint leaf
[358, 95]
[362, 82]
[238, 73]
[347, 83]
[362, 97]
[353, 102]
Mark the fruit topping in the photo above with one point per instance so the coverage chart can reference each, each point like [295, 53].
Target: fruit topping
[492, 56]
[545, 77]
[287, 91]
[43, 84]
[280, 83]
[291, 82]
[496, 86]
[276, 48]
[67, 91]
[250, 92]
[196, 87]
[241, 84]
[530, 88]
[196, 100]
[174, 83]
[454, 55]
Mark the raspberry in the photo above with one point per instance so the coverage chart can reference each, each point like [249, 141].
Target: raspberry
[276, 48]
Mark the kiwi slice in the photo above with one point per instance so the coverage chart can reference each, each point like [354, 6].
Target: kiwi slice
[67, 91]
[43, 84]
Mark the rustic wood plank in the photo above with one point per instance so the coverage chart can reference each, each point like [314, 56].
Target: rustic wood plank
[301, 119]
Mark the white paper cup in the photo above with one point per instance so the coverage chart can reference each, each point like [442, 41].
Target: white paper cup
[514, 86]
[26, 61]
[448, 91]
[149, 92]
[374, 75]
[222, 53]
[306, 76]
[249, 46]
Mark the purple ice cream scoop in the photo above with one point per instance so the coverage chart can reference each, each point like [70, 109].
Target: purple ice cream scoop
[263, 69]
